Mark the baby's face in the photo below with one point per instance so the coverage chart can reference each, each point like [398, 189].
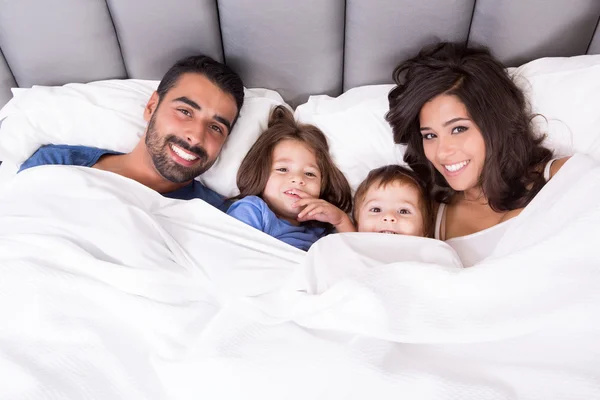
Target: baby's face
[394, 208]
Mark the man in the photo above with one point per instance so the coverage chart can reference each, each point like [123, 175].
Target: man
[190, 116]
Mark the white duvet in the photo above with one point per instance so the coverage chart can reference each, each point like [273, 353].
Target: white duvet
[110, 291]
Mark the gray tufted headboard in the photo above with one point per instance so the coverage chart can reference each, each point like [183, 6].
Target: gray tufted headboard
[297, 47]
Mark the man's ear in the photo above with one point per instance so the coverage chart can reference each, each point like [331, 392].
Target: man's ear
[151, 106]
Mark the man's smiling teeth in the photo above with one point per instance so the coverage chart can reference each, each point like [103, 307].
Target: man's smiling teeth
[457, 166]
[182, 153]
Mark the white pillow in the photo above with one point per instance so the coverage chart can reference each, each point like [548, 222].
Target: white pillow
[359, 137]
[565, 90]
[109, 115]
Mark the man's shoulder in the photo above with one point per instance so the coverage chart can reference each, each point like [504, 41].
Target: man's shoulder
[61, 154]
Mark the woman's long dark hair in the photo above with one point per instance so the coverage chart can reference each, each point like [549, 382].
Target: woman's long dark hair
[511, 175]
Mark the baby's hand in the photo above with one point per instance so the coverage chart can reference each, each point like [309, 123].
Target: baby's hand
[321, 210]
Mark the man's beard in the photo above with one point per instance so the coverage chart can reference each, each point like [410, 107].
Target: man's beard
[158, 149]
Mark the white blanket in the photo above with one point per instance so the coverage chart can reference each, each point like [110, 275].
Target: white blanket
[110, 291]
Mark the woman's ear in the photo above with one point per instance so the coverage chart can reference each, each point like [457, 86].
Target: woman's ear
[151, 106]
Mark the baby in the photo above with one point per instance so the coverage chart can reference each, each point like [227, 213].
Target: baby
[392, 199]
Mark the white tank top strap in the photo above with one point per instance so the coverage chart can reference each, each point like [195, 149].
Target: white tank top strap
[437, 234]
[547, 169]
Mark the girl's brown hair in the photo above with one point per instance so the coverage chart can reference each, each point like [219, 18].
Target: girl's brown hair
[511, 176]
[256, 167]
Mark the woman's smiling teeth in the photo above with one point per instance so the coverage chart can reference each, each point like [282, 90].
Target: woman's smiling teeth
[182, 153]
[456, 167]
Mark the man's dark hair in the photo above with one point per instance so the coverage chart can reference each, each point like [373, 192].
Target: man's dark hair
[218, 73]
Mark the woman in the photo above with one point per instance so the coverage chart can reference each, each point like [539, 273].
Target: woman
[468, 133]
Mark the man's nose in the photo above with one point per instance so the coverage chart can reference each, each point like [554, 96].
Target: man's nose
[195, 134]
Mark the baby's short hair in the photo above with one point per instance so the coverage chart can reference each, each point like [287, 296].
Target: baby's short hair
[394, 173]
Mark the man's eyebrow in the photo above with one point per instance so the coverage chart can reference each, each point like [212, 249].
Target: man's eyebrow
[453, 120]
[189, 102]
[195, 106]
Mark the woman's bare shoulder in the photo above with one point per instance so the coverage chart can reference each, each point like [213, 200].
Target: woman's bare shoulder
[557, 165]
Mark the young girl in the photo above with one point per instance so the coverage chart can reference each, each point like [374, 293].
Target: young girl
[289, 186]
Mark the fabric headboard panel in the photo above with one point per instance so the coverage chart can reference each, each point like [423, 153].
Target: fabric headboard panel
[295, 47]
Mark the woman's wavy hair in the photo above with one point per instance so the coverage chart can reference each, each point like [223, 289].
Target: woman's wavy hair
[511, 175]
[256, 167]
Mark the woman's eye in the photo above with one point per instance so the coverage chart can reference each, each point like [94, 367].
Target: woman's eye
[428, 136]
[282, 169]
[404, 211]
[185, 112]
[311, 174]
[459, 129]
[375, 209]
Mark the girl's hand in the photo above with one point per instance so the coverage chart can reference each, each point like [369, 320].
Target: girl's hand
[321, 210]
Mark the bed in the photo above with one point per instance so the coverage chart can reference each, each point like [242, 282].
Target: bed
[109, 290]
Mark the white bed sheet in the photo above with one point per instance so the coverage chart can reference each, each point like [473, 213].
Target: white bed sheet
[7, 171]
[112, 291]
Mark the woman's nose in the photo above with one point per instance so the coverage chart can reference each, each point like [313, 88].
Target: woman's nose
[446, 147]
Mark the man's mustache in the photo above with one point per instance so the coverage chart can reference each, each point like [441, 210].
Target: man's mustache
[197, 150]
